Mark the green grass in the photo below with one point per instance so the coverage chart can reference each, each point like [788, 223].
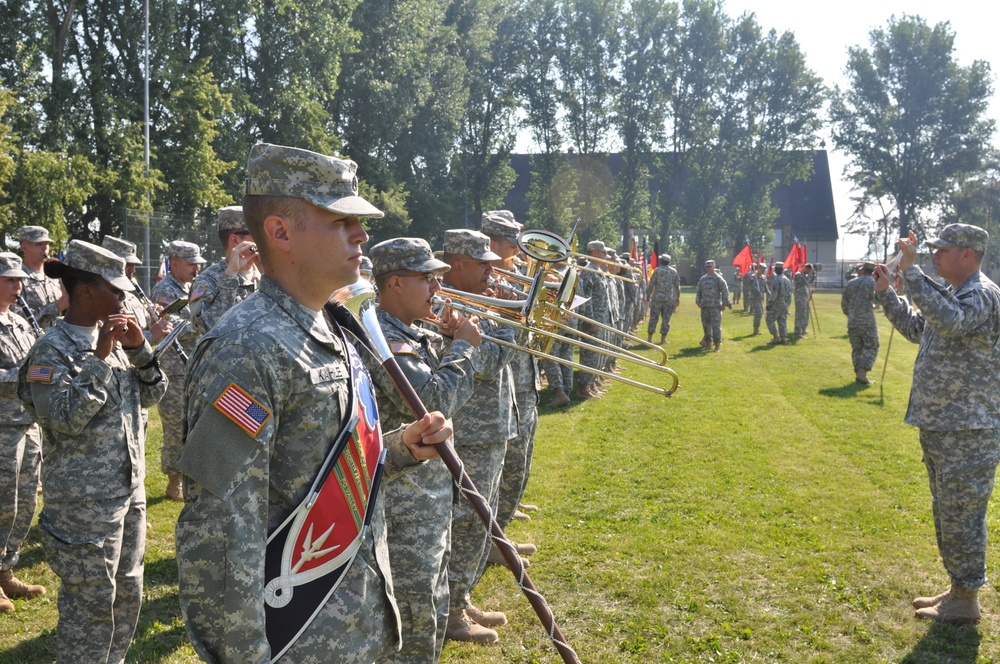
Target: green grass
[771, 511]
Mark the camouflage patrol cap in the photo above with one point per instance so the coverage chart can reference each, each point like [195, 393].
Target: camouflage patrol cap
[123, 248]
[473, 244]
[665, 258]
[326, 182]
[366, 266]
[612, 253]
[868, 265]
[10, 265]
[710, 263]
[230, 218]
[405, 253]
[88, 257]
[33, 234]
[779, 264]
[596, 245]
[961, 235]
[500, 223]
[762, 266]
[189, 251]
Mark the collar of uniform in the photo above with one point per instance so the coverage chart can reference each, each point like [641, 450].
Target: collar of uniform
[301, 314]
[182, 287]
[81, 342]
[385, 318]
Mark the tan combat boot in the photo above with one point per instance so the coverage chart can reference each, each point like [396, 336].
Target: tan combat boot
[521, 516]
[649, 337]
[862, 377]
[175, 488]
[559, 399]
[486, 618]
[527, 507]
[958, 607]
[925, 602]
[718, 345]
[18, 589]
[6, 606]
[496, 559]
[463, 628]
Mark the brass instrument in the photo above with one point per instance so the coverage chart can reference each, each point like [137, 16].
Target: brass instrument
[538, 317]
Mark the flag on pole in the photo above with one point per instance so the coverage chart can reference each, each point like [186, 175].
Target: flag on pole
[654, 260]
[643, 260]
[792, 263]
[744, 259]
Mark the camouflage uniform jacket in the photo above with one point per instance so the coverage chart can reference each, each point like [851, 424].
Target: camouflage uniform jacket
[441, 371]
[802, 283]
[954, 376]
[665, 285]
[490, 414]
[856, 302]
[594, 286]
[753, 286]
[240, 486]
[713, 291]
[779, 292]
[165, 292]
[89, 412]
[214, 292]
[134, 306]
[41, 294]
[16, 339]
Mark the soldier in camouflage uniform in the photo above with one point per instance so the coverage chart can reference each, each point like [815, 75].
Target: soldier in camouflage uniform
[44, 296]
[712, 297]
[560, 376]
[502, 230]
[737, 286]
[802, 283]
[418, 504]
[266, 396]
[20, 440]
[594, 286]
[749, 275]
[153, 329]
[84, 382]
[954, 400]
[232, 279]
[664, 297]
[779, 296]
[862, 328]
[483, 426]
[185, 261]
[755, 288]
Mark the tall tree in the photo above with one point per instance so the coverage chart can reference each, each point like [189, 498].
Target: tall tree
[912, 119]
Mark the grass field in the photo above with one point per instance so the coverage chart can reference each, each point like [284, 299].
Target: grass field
[771, 511]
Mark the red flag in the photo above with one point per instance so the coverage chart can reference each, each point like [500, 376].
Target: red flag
[770, 267]
[744, 259]
[654, 260]
[792, 260]
[803, 254]
[633, 251]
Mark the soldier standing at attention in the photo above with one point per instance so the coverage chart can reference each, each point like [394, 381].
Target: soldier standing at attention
[664, 297]
[483, 426]
[954, 400]
[862, 328]
[84, 382]
[21, 447]
[281, 416]
[44, 296]
[737, 285]
[594, 286]
[779, 296]
[418, 504]
[185, 260]
[712, 297]
[803, 293]
[237, 274]
[751, 273]
[753, 294]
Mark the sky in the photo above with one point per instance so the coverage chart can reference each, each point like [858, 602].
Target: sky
[826, 32]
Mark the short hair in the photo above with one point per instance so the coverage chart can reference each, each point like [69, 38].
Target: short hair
[778, 270]
[258, 208]
[224, 237]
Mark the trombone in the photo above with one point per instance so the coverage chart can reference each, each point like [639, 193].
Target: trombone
[537, 331]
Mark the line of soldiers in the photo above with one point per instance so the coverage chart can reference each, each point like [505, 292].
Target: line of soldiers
[770, 297]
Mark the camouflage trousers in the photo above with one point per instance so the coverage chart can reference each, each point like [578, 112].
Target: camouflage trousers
[469, 537]
[777, 323]
[801, 315]
[171, 409]
[589, 358]
[418, 532]
[663, 311]
[560, 376]
[737, 292]
[757, 309]
[961, 467]
[864, 347]
[96, 549]
[711, 324]
[20, 465]
[517, 465]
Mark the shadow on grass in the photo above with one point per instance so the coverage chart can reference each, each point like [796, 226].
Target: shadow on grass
[956, 644]
[690, 352]
[848, 391]
[160, 631]
[41, 648]
[766, 347]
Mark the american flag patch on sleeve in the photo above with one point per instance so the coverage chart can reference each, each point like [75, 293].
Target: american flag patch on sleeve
[401, 348]
[242, 409]
[40, 374]
[197, 294]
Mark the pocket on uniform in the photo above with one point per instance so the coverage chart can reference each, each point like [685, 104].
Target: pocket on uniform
[75, 556]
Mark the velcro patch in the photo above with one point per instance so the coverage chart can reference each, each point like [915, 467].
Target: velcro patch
[40, 374]
[242, 409]
[197, 294]
[401, 348]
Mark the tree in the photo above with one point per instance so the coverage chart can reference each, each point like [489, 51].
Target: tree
[977, 201]
[912, 119]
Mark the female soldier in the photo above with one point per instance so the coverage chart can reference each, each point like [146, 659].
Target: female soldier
[84, 382]
[20, 440]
